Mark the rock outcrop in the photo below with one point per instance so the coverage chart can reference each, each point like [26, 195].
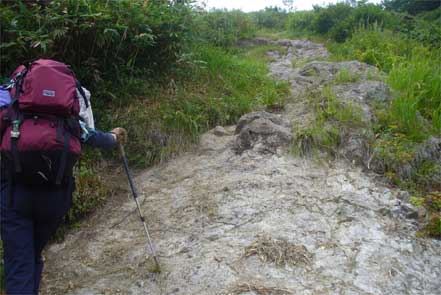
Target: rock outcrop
[262, 131]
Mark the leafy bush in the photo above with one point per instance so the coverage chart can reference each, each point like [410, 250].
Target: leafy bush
[411, 6]
[100, 39]
[222, 27]
[90, 190]
[374, 46]
[418, 79]
[326, 19]
[270, 18]
[421, 29]
[301, 22]
[411, 72]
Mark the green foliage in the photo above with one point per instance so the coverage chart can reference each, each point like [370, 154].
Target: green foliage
[411, 72]
[432, 16]
[406, 48]
[216, 89]
[320, 136]
[419, 78]
[337, 21]
[261, 52]
[345, 76]
[432, 202]
[330, 108]
[270, 18]
[222, 27]
[411, 6]
[100, 39]
[333, 19]
[300, 23]
[334, 119]
[433, 228]
[90, 190]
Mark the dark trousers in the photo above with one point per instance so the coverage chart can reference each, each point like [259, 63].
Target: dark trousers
[29, 217]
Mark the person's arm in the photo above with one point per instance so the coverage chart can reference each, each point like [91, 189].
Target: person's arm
[103, 140]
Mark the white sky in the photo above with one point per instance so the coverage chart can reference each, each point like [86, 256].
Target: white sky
[253, 5]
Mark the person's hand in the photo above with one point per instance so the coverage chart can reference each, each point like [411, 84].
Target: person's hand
[120, 135]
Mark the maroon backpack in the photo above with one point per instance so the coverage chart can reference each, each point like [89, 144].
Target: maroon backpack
[39, 130]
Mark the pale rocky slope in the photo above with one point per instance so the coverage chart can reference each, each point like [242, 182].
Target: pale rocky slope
[345, 230]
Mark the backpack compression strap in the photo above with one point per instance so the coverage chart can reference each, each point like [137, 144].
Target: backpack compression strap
[63, 160]
[16, 120]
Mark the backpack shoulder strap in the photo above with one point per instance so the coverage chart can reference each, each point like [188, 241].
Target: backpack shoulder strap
[83, 94]
[16, 120]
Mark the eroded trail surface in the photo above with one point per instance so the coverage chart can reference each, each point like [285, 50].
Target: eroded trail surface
[240, 215]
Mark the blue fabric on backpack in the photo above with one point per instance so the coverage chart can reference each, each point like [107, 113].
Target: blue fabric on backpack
[5, 97]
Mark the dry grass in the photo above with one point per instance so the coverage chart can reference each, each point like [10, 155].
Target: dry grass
[280, 252]
[256, 289]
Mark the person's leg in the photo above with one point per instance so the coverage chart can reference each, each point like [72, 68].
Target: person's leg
[50, 207]
[18, 239]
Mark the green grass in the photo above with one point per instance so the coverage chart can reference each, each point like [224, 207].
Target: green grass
[330, 108]
[345, 76]
[215, 87]
[261, 52]
[418, 81]
[333, 119]
[273, 34]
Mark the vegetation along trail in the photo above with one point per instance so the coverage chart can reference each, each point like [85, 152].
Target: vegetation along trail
[242, 215]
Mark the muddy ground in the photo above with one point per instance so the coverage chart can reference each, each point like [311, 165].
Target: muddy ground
[256, 220]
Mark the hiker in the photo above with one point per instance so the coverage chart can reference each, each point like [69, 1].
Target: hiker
[42, 125]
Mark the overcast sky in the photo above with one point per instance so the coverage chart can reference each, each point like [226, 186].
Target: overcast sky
[252, 5]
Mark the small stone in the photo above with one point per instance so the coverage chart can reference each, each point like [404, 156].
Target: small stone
[409, 211]
[220, 131]
[422, 214]
[396, 211]
[404, 196]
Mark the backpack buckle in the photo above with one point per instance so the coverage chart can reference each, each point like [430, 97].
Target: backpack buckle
[10, 85]
[15, 133]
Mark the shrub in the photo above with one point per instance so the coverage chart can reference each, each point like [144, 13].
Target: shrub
[90, 190]
[222, 27]
[411, 6]
[301, 22]
[327, 18]
[100, 39]
[270, 18]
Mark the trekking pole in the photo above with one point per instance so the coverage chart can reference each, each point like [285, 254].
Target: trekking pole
[135, 196]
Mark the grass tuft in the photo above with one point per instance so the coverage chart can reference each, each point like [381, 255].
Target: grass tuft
[280, 252]
[256, 289]
[346, 76]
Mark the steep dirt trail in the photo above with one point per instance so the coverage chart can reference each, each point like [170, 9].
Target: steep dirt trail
[208, 206]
